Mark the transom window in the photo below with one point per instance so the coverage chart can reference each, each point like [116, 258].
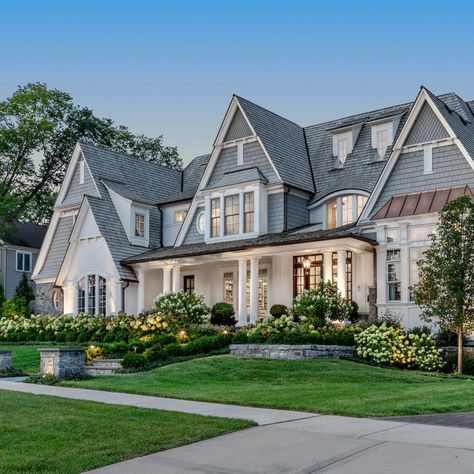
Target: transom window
[92, 295]
[23, 261]
[139, 224]
[231, 215]
[215, 217]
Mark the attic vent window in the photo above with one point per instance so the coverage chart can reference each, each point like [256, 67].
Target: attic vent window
[240, 153]
[81, 172]
[427, 159]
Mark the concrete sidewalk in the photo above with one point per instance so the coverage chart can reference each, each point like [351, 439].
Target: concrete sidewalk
[290, 441]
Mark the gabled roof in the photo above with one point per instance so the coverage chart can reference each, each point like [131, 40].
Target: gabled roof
[420, 203]
[25, 234]
[285, 143]
[240, 176]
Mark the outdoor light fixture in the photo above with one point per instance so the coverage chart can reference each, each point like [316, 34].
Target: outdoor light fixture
[306, 263]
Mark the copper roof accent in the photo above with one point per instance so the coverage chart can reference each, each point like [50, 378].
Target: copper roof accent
[420, 203]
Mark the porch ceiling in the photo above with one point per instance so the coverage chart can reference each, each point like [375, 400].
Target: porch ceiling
[266, 245]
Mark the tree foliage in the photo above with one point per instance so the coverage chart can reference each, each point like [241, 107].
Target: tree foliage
[39, 128]
[445, 290]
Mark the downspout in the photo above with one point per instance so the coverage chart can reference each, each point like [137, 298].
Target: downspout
[124, 287]
[161, 226]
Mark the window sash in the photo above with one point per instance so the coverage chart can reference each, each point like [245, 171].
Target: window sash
[139, 225]
[229, 288]
[342, 150]
[92, 294]
[23, 262]
[231, 214]
[249, 205]
[382, 142]
[347, 213]
[215, 217]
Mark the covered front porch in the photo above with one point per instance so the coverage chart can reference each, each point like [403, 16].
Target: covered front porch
[254, 279]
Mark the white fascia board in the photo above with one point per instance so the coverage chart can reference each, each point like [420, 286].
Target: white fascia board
[422, 98]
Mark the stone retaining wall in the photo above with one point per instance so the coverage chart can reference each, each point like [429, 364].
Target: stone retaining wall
[5, 360]
[291, 352]
[63, 363]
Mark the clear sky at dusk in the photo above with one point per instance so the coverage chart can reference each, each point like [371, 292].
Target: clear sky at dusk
[171, 67]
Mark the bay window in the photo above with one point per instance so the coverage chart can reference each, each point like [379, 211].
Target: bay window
[92, 295]
[215, 217]
[248, 212]
[231, 214]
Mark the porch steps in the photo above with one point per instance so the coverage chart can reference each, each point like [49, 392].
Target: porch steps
[104, 367]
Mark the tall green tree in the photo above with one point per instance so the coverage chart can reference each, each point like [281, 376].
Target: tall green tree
[445, 290]
[39, 128]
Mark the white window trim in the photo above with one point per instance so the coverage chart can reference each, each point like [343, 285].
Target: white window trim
[427, 159]
[86, 292]
[338, 198]
[198, 217]
[375, 129]
[240, 153]
[399, 281]
[16, 261]
[140, 241]
[258, 225]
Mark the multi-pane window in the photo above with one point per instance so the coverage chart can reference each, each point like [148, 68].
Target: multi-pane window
[342, 150]
[331, 214]
[215, 217]
[92, 295]
[393, 275]
[262, 292]
[229, 288]
[248, 212]
[347, 213]
[23, 261]
[334, 267]
[231, 214]
[307, 272]
[415, 255]
[382, 142]
[139, 225]
[189, 283]
[361, 201]
[348, 294]
[179, 215]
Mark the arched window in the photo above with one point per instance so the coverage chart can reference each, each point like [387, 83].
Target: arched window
[92, 295]
[344, 209]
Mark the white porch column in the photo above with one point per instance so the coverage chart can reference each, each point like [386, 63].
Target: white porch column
[341, 272]
[242, 300]
[253, 289]
[141, 291]
[114, 303]
[327, 266]
[176, 278]
[70, 298]
[166, 279]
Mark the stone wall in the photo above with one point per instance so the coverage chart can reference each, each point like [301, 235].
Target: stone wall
[63, 363]
[5, 360]
[43, 303]
[291, 352]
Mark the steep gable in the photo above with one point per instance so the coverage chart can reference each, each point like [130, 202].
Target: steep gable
[78, 188]
[427, 127]
[238, 128]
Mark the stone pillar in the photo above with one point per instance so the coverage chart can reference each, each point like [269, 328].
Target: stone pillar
[253, 289]
[341, 272]
[166, 279]
[5, 360]
[327, 266]
[242, 300]
[63, 363]
[141, 291]
[176, 278]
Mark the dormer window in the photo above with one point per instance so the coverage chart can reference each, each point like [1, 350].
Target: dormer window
[179, 215]
[382, 142]
[139, 225]
[342, 150]
[344, 210]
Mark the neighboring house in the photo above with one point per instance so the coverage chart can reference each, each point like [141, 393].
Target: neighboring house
[274, 209]
[19, 250]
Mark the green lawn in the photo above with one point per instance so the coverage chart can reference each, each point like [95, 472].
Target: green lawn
[56, 435]
[27, 357]
[320, 386]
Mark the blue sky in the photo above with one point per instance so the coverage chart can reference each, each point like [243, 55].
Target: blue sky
[171, 67]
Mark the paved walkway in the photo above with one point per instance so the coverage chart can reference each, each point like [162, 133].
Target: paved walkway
[290, 442]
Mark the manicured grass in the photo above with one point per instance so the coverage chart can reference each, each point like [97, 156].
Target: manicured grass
[27, 357]
[320, 386]
[56, 435]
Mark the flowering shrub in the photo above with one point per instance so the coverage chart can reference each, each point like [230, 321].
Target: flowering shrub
[182, 309]
[387, 345]
[322, 304]
[286, 330]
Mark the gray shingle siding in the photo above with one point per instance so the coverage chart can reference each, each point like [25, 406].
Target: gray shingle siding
[450, 169]
[253, 156]
[317, 214]
[76, 190]
[238, 128]
[426, 128]
[193, 236]
[297, 213]
[276, 213]
[58, 248]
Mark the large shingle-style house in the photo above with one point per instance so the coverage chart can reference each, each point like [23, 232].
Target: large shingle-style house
[19, 249]
[273, 210]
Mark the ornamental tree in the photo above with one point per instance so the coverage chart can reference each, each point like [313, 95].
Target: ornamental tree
[445, 291]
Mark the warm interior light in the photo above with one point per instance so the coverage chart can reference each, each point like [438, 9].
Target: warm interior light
[306, 263]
